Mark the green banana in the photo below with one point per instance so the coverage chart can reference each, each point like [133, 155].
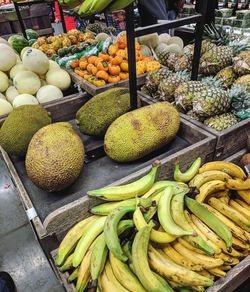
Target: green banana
[165, 217]
[106, 208]
[111, 231]
[73, 276]
[127, 247]
[210, 220]
[140, 262]
[100, 250]
[189, 174]
[91, 7]
[70, 4]
[68, 264]
[119, 5]
[128, 191]
[90, 234]
[71, 238]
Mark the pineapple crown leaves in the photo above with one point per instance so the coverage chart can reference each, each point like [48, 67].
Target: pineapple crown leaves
[218, 36]
[184, 73]
[239, 46]
[239, 96]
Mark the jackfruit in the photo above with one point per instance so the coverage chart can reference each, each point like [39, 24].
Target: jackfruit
[95, 116]
[55, 157]
[139, 132]
[20, 126]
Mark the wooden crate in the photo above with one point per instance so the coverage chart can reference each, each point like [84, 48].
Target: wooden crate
[229, 141]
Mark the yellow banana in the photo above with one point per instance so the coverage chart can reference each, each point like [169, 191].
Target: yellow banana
[231, 213]
[71, 238]
[228, 167]
[226, 258]
[240, 209]
[68, 264]
[189, 174]
[73, 276]
[217, 272]
[119, 5]
[84, 271]
[243, 204]
[235, 261]
[128, 191]
[239, 244]
[90, 234]
[224, 200]
[176, 273]
[238, 184]
[155, 235]
[207, 176]
[209, 188]
[236, 230]
[245, 195]
[124, 275]
[179, 259]
[184, 241]
[206, 274]
[225, 268]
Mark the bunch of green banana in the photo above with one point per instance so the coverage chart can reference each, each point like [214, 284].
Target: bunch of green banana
[119, 5]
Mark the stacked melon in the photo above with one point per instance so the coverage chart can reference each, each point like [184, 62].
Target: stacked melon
[32, 79]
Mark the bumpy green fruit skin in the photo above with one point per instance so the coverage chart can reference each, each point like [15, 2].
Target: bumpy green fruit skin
[55, 157]
[137, 133]
[95, 116]
[20, 126]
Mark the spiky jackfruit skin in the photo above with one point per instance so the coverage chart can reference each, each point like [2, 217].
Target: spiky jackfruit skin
[55, 157]
[138, 133]
[95, 116]
[20, 126]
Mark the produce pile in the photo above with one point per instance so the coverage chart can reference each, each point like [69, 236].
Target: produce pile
[18, 42]
[153, 236]
[225, 17]
[222, 98]
[112, 67]
[32, 79]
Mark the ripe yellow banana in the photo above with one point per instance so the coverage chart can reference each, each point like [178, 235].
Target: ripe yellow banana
[90, 234]
[68, 264]
[206, 274]
[205, 261]
[189, 174]
[128, 191]
[228, 167]
[165, 217]
[239, 244]
[226, 258]
[224, 200]
[73, 276]
[209, 188]
[176, 273]
[235, 261]
[184, 241]
[245, 195]
[179, 259]
[238, 184]
[243, 204]
[124, 275]
[119, 5]
[217, 272]
[71, 238]
[240, 209]
[155, 235]
[207, 176]
[210, 220]
[230, 213]
[236, 230]
[225, 268]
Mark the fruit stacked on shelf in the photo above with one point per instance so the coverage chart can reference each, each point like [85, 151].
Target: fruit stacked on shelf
[32, 79]
[152, 236]
[112, 67]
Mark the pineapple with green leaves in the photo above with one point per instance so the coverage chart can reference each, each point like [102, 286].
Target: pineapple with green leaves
[221, 122]
[244, 81]
[240, 101]
[154, 78]
[210, 102]
[227, 76]
[241, 63]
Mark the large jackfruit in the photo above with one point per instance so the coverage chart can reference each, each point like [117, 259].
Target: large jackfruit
[55, 157]
[137, 133]
[20, 126]
[95, 116]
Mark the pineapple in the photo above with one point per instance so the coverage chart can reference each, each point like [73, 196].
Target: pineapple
[194, 116]
[154, 78]
[183, 63]
[144, 90]
[95, 27]
[241, 63]
[212, 81]
[210, 102]
[221, 122]
[184, 94]
[172, 59]
[244, 81]
[168, 86]
[227, 76]
[240, 101]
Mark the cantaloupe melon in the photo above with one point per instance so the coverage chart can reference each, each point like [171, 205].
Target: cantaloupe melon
[24, 99]
[27, 82]
[7, 58]
[36, 61]
[4, 81]
[58, 78]
[11, 93]
[48, 93]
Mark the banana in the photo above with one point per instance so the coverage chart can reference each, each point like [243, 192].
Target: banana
[206, 274]
[150, 212]
[100, 250]
[225, 268]
[224, 200]
[128, 191]
[119, 5]
[184, 241]
[110, 231]
[205, 261]
[226, 259]
[165, 217]
[68, 264]
[240, 209]
[155, 235]
[208, 189]
[73, 276]
[84, 271]
[92, 7]
[179, 259]
[243, 204]
[106, 208]
[236, 230]
[176, 273]
[217, 272]
[238, 184]
[235, 261]
[189, 174]
[124, 275]
[231, 213]
[140, 262]
[240, 245]
[210, 220]
[127, 247]
[245, 195]
[71, 238]
[207, 176]
[90, 234]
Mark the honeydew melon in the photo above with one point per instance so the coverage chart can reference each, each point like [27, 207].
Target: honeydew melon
[48, 93]
[36, 61]
[59, 78]
[2, 96]
[164, 38]
[150, 40]
[4, 82]
[5, 107]
[53, 65]
[27, 82]
[11, 94]
[24, 99]
[3, 41]
[176, 40]
[24, 50]
[7, 58]
[16, 69]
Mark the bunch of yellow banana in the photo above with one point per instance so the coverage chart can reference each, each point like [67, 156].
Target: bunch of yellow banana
[151, 236]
